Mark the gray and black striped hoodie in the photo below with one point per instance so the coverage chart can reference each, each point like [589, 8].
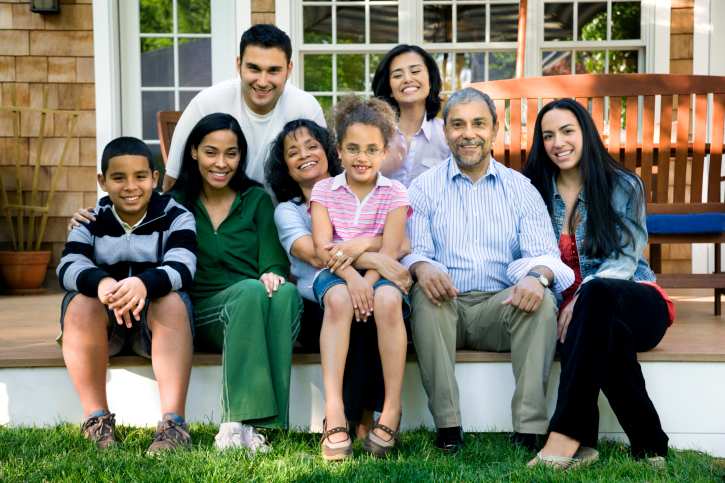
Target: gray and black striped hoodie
[161, 251]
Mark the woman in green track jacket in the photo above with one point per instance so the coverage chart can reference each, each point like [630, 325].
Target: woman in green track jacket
[243, 307]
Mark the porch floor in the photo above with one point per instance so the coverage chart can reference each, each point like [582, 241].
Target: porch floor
[29, 326]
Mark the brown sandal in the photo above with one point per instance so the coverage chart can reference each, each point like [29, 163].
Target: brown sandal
[379, 447]
[336, 451]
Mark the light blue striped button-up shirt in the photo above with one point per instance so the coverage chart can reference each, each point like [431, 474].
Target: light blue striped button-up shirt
[487, 235]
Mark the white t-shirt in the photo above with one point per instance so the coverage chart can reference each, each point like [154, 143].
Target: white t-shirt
[227, 97]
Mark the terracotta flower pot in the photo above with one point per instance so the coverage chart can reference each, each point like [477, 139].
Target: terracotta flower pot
[23, 272]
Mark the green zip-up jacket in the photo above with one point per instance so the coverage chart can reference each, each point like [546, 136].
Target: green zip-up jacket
[245, 245]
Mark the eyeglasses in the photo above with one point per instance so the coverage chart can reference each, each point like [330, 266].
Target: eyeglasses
[354, 152]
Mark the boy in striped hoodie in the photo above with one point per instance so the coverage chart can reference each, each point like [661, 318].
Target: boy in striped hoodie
[126, 273]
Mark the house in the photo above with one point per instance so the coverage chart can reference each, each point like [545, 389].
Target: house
[129, 59]
[136, 57]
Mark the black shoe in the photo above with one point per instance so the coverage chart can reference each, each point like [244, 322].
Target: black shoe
[530, 442]
[450, 440]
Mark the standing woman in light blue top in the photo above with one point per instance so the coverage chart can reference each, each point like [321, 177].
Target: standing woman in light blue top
[409, 80]
[614, 309]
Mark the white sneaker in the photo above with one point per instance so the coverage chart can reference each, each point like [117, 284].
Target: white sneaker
[241, 436]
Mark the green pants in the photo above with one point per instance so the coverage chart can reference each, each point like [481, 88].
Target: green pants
[478, 321]
[255, 334]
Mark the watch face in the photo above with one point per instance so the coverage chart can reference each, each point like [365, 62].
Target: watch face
[544, 280]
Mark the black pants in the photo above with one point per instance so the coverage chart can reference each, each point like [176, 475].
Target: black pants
[612, 321]
[362, 383]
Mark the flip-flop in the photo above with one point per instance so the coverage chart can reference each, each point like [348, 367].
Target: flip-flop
[584, 456]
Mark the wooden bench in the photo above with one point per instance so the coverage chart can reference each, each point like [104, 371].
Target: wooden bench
[166, 121]
[648, 148]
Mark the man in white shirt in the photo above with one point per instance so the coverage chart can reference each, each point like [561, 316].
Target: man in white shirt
[261, 101]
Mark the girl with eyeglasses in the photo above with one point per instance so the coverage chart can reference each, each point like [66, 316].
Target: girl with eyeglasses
[360, 202]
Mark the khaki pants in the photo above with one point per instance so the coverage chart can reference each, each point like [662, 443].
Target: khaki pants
[478, 321]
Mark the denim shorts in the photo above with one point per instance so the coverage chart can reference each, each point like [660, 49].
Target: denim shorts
[325, 280]
[138, 337]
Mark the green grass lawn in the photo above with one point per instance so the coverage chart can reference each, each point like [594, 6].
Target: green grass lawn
[60, 454]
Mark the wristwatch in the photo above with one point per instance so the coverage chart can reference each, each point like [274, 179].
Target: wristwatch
[542, 279]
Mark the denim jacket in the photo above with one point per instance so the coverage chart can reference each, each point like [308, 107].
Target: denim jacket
[628, 266]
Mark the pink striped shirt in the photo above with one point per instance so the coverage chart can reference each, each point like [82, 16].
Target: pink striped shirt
[351, 218]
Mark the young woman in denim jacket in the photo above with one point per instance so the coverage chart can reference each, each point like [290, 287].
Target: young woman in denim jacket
[614, 309]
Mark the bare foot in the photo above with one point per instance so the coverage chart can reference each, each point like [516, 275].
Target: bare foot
[557, 445]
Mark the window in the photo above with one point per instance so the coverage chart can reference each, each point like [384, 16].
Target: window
[342, 41]
[166, 59]
[480, 45]
[592, 37]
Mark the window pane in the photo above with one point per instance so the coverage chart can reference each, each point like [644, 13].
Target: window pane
[157, 62]
[351, 72]
[351, 25]
[558, 21]
[194, 16]
[623, 61]
[194, 62]
[470, 67]
[158, 165]
[445, 65]
[501, 65]
[185, 98]
[156, 16]
[471, 23]
[592, 21]
[151, 103]
[325, 102]
[626, 20]
[556, 63]
[591, 62]
[504, 22]
[374, 61]
[384, 24]
[317, 25]
[437, 23]
[318, 73]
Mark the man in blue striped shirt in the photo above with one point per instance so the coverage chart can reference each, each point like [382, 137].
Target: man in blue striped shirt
[486, 262]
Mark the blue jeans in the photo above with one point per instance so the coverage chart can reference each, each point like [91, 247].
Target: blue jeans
[325, 280]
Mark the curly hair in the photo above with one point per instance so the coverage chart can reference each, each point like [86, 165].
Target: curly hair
[276, 171]
[353, 110]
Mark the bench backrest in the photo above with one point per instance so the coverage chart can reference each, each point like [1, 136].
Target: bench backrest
[166, 122]
[649, 92]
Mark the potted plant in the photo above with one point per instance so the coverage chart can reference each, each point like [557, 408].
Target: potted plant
[22, 270]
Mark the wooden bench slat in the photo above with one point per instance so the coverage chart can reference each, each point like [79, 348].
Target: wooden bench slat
[515, 133]
[683, 133]
[699, 131]
[648, 129]
[684, 208]
[499, 148]
[598, 114]
[532, 110]
[716, 150]
[630, 146]
[663, 154]
[615, 110]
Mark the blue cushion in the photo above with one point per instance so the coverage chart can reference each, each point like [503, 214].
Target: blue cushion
[691, 224]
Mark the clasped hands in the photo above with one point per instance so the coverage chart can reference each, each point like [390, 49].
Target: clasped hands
[125, 298]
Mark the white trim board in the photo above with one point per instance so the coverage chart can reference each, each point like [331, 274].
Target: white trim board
[106, 76]
[45, 396]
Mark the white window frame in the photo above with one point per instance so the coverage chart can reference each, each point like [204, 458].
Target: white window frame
[644, 63]
[653, 44]
[223, 41]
